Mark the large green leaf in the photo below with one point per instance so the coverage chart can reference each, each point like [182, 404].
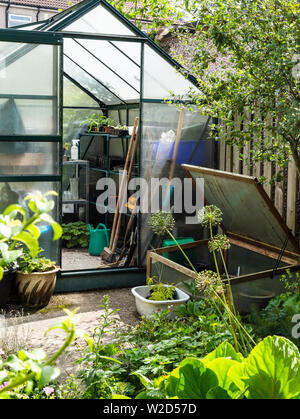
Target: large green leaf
[271, 371]
[48, 374]
[221, 367]
[224, 350]
[191, 380]
[217, 393]
[29, 241]
[13, 210]
[57, 229]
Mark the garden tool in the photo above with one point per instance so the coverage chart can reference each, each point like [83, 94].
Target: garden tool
[108, 252]
[153, 241]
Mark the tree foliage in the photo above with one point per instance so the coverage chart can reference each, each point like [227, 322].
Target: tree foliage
[246, 57]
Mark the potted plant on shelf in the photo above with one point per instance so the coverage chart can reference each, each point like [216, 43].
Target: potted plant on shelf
[36, 279]
[94, 123]
[121, 130]
[109, 125]
[67, 147]
[18, 232]
[156, 296]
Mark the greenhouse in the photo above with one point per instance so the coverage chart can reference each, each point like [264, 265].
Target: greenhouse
[88, 81]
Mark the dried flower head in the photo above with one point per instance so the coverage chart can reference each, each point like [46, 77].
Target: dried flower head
[210, 215]
[161, 222]
[218, 243]
[209, 284]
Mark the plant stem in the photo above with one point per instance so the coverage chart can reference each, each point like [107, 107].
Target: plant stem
[184, 254]
[67, 342]
[17, 383]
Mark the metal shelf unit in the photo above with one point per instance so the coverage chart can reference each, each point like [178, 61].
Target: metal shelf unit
[81, 201]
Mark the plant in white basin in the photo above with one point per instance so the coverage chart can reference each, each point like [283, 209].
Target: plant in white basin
[156, 296]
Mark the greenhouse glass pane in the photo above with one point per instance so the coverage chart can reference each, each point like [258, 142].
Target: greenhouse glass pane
[101, 21]
[160, 126]
[116, 60]
[34, 60]
[131, 49]
[27, 117]
[15, 192]
[29, 87]
[74, 96]
[73, 118]
[161, 79]
[29, 158]
[89, 83]
[90, 63]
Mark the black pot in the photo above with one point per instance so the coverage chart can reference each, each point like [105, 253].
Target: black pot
[6, 285]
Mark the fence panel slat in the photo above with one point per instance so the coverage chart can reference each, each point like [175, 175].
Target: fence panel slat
[236, 162]
[267, 165]
[291, 196]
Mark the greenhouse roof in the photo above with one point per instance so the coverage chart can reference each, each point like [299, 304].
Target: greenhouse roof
[108, 56]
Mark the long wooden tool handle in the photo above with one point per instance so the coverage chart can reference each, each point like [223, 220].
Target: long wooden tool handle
[177, 140]
[116, 236]
[122, 182]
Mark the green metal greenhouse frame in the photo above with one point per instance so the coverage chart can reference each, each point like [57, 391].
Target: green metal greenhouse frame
[54, 33]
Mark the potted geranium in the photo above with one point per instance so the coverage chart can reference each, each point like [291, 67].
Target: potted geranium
[36, 279]
[17, 232]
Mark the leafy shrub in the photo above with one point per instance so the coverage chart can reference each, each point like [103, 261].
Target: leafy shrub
[29, 264]
[276, 317]
[159, 291]
[28, 373]
[271, 371]
[76, 234]
[154, 347]
[16, 228]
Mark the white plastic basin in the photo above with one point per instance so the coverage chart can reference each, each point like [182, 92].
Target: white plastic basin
[147, 307]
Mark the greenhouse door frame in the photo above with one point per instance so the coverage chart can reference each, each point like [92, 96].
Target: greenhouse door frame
[87, 279]
[31, 40]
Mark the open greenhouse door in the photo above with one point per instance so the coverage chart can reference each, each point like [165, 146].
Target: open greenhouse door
[30, 121]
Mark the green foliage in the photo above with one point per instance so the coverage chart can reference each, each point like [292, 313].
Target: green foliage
[16, 229]
[270, 371]
[157, 14]
[152, 348]
[160, 291]
[277, 316]
[76, 234]
[29, 264]
[246, 60]
[28, 372]
[94, 121]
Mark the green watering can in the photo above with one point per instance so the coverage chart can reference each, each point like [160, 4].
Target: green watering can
[99, 238]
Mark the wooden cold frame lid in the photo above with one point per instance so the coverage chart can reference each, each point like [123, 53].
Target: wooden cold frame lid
[247, 209]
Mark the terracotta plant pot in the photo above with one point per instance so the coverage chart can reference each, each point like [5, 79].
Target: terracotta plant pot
[109, 130]
[6, 285]
[36, 289]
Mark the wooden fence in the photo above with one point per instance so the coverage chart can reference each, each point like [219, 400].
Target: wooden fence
[285, 194]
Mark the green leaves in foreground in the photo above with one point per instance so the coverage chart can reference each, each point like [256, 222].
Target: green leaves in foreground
[17, 230]
[21, 373]
[271, 371]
